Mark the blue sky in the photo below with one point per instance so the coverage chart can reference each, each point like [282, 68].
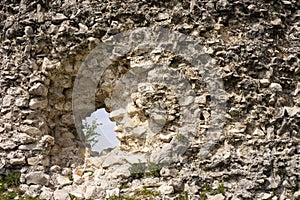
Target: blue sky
[107, 138]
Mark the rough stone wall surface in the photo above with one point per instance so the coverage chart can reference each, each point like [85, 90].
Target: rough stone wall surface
[255, 48]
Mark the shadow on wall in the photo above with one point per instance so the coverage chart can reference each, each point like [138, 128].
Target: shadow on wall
[106, 137]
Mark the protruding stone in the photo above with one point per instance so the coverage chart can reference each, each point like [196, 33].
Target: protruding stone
[17, 161]
[113, 192]
[36, 103]
[117, 114]
[7, 100]
[275, 87]
[276, 22]
[216, 197]
[6, 145]
[38, 89]
[22, 102]
[59, 17]
[61, 195]
[264, 82]
[166, 189]
[38, 178]
[30, 130]
[28, 31]
[63, 180]
[46, 193]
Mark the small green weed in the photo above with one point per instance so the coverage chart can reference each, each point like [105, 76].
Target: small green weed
[137, 170]
[184, 196]
[8, 187]
[145, 193]
[124, 186]
[182, 138]
[203, 193]
[115, 197]
[220, 190]
[70, 176]
[281, 171]
[11, 179]
[153, 169]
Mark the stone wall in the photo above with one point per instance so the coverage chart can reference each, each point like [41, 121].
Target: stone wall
[46, 47]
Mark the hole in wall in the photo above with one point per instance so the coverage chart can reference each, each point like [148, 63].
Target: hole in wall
[103, 128]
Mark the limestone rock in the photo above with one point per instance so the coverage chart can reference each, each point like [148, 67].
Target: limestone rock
[166, 189]
[38, 89]
[276, 22]
[61, 195]
[38, 104]
[110, 193]
[46, 193]
[217, 197]
[63, 180]
[38, 178]
[30, 130]
[276, 87]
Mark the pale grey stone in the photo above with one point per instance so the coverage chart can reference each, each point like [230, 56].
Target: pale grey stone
[55, 168]
[22, 102]
[6, 145]
[33, 190]
[30, 130]
[138, 131]
[38, 89]
[163, 16]
[121, 171]
[117, 114]
[46, 193]
[38, 178]
[166, 172]
[297, 194]
[216, 197]
[7, 101]
[264, 82]
[62, 180]
[276, 22]
[61, 195]
[112, 192]
[59, 17]
[90, 192]
[17, 161]
[28, 31]
[38, 104]
[276, 87]
[166, 189]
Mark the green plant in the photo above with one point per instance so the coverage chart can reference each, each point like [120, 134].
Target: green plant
[219, 190]
[124, 186]
[137, 170]
[153, 169]
[72, 197]
[115, 197]
[203, 193]
[281, 171]
[9, 190]
[182, 138]
[12, 179]
[70, 176]
[16, 194]
[90, 133]
[184, 196]
[138, 194]
[145, 193]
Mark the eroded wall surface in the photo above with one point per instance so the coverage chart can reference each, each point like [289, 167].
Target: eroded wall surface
[254, 47]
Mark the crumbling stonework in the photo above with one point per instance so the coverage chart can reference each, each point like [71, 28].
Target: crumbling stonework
[254, 46]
